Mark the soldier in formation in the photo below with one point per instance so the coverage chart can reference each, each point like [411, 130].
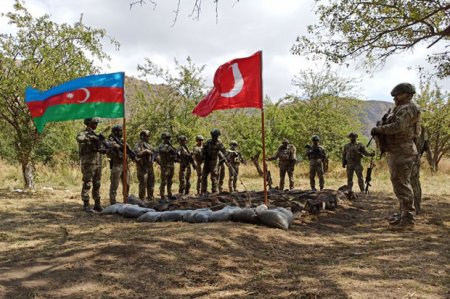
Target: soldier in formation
[396, 137]
[90, 149]
[423, 146]
[146, 155]
[235, 158]
[167, 155]
[197, 154]
[318, 162]
[186, 160]
[352, 155]
[115, 154]
[212, 151]
[286, 154]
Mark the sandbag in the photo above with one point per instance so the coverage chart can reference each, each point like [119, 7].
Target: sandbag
[134, 200]
[224, 214]
[199, 216]
[133, 211]
[149, 217]
[112, 209]
[277, 218]
[176, 215]
[247, 215]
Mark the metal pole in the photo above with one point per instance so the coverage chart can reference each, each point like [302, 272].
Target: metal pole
[263, 135]
[124, 171]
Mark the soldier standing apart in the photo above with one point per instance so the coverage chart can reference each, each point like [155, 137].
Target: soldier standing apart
[115, 153]
[211, 152]
[396, 138]
[286, 154]
[318, 162]
[91, 164]
[423, 146]
[186, 159]
[197, 153]
[146, 155]
[167, 158]
[351, 158]
[235, 158]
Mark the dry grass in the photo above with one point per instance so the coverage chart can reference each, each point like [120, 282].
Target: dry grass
[49, 248]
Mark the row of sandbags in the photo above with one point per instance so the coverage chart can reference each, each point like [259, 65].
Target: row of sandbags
[277, 217]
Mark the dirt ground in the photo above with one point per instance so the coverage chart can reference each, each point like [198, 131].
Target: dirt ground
[49, 248]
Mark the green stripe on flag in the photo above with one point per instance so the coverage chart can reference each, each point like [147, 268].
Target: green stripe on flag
[78, 111]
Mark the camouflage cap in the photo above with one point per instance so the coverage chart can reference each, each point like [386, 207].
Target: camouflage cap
[116, 128]
[215, 132]
[166, 135]
[199, 137]
[315, 138]
[94, 120]
[352, 134]
[403, 88]
[182, 138]
[233, 142]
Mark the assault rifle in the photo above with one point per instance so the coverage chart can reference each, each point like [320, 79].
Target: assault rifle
[130, 152]
[269, 181]
[191, 158]
[102, 141]
[175, 150]
[369, 175]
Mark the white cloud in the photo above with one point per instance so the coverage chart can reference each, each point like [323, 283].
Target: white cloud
[242, 28]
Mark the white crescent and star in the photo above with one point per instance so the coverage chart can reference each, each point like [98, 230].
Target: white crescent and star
[238, 83]
[86, 91]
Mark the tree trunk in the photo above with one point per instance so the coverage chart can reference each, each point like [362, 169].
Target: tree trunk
[255, 160]
[27, 173]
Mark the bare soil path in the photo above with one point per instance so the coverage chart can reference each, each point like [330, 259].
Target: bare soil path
[49, 248]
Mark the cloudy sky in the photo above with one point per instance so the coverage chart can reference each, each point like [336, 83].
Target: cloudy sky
[241, 29]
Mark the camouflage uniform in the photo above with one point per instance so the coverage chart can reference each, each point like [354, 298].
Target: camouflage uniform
[91, 165]
[115, 154]
[197, 154]
[399, 131]
[210, 156]
[286, 154]
[422, 145]
[167, 157]
[221, 171]
[351, 158]
[186, 159]
[235, 158]
[317, 159]
[145, 157]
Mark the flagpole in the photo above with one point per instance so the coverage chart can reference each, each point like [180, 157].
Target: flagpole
[263, 135]
[125, 170]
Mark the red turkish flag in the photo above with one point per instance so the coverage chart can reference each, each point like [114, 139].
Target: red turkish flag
[237, 84]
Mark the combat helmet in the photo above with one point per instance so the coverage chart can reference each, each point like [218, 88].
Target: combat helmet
[403, 88]
[215, 132]
[234, 142]
[199, 137]
[90, 120]
[352, 134]
[315, 138]
[166, 135]
[182, 138]
[144, 133]
[116, 128]
[285, 140]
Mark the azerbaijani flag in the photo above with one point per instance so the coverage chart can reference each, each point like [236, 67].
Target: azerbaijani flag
[91, 96]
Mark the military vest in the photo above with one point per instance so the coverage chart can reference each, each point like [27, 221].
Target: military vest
[144, 160]
[89, 150]
[211, 150]
[353, 152]
[167, 155]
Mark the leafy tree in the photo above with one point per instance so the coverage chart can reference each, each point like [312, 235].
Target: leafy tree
[41, 54]
[377, 29]
[436, 120]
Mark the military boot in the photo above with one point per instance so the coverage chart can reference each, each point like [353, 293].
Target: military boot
[406, 219]
[97, 206]
[112, 201]
[86, 207]
[394, 219]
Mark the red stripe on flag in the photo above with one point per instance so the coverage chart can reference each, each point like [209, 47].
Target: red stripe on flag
[79, 96]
